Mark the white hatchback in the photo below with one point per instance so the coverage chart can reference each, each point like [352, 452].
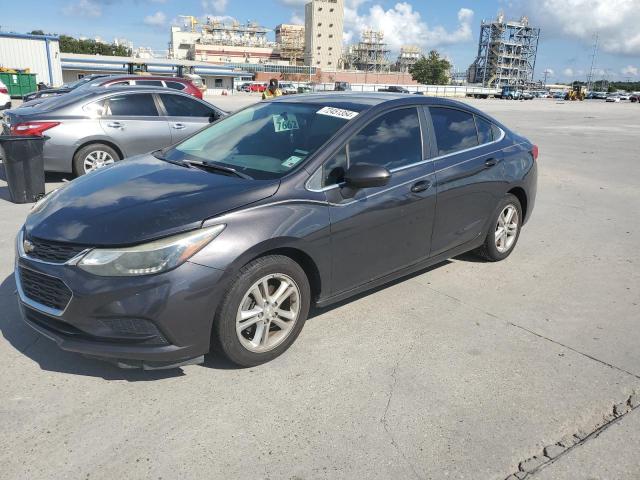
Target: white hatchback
[5, 99]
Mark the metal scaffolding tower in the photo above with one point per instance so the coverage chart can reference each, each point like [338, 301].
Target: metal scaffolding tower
[409, 55]
[370, 54]
[506, 53]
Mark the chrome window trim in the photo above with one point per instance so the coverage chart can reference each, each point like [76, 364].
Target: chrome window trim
[22, 254]
[423, 162]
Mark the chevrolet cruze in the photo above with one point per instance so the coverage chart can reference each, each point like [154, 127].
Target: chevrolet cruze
[224, 241]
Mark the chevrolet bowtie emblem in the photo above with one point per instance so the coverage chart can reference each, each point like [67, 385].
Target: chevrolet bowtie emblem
[28, 247]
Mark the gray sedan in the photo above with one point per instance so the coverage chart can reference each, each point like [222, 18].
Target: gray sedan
[91, 129]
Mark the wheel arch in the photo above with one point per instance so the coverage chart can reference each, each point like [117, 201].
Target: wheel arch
[302, 258]
[521, 195]
[103, 141]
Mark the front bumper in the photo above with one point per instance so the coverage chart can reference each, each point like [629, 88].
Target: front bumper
[155, 321]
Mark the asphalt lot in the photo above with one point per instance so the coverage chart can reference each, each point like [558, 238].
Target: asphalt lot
[467, 370]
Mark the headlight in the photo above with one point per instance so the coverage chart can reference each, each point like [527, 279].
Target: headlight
[149, 258]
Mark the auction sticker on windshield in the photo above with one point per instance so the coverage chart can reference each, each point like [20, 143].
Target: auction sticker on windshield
[337, 112]
[285, 122]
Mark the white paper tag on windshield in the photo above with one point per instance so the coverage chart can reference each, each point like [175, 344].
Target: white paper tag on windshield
[337, 112]
[284, 123]
[292, 161]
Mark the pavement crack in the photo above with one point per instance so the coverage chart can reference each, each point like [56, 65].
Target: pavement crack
[513, 324]
[383, 419]
[552, 453]
[590, 357]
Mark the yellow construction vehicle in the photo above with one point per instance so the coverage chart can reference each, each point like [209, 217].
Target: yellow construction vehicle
[578, 92]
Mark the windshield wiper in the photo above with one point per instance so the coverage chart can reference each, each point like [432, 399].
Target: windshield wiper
[221, 168]
[159, 155]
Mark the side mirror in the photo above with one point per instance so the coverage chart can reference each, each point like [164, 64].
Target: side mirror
[213, 116]
[365, 175]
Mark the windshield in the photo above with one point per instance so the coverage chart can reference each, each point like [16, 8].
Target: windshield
[264, 141]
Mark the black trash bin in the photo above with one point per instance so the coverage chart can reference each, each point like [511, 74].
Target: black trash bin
[24, 167]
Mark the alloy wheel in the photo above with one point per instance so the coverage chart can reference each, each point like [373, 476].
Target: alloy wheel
[507, 228]
[268, 312]
[97, 159]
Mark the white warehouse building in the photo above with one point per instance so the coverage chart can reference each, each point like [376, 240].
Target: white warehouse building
[39, 53]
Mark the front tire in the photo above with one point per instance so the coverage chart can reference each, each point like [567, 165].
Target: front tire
[263, 312]
[504, 230]
[92, 157]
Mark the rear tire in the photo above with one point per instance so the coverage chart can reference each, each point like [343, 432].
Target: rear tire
[97, 154]
[504, 230]
[247, 296]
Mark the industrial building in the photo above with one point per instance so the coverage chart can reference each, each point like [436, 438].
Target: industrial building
[408, 56]
[40, 54]
[290, 43]
[215, 41]
[324, 21]
[506, 53]
[370, 54]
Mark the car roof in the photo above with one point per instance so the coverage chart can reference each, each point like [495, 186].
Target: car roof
[145, 77]
[367, 100]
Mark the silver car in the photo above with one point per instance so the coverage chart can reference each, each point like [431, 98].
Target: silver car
[90, 129]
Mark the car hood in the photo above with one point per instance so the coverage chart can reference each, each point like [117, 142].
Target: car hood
[140, 199]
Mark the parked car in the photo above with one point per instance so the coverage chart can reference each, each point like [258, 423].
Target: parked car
[197, 82]
[5, 98]
[287, 88]
[244, 87]
[613, 98]
[258, 87]
[180, 84]
[394, 89]
[90, 129]
[65, 88]
[225, 240]
[559, 95]
[633, 98]
[342, 86]
[624, 96]
[304, 89]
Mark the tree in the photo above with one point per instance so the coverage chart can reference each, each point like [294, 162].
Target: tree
[431, 70]
[72, 45]
[36, 32]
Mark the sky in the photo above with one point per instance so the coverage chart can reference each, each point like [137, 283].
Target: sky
[452, 27]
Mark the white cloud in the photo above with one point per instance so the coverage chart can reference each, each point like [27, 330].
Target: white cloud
[402, 25]
[297, 19]
[630, 71]
[214, 6]
[549, 71]
[616, 21]
[83, 8]
[158, 19]
[568, 72]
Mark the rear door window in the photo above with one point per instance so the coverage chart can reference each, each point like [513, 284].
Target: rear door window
[176, 85]
[454, 129]
[485, 132]
[180, 106]
[132, 105]
[150, 83]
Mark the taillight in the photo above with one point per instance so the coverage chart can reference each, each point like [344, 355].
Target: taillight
[32, 129]
[534, 152]
[4, 90]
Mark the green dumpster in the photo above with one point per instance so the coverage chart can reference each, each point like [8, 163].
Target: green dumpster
[19, 84]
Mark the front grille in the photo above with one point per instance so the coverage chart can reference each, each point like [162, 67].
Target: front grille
[54, 252]
[45, 290]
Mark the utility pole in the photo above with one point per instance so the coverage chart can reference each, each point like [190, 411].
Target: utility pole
[546, 72]
[593, 63]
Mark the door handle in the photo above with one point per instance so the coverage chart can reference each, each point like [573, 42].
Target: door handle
[115, 125]
[421, 186]
[178, 126]
[492, 162]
